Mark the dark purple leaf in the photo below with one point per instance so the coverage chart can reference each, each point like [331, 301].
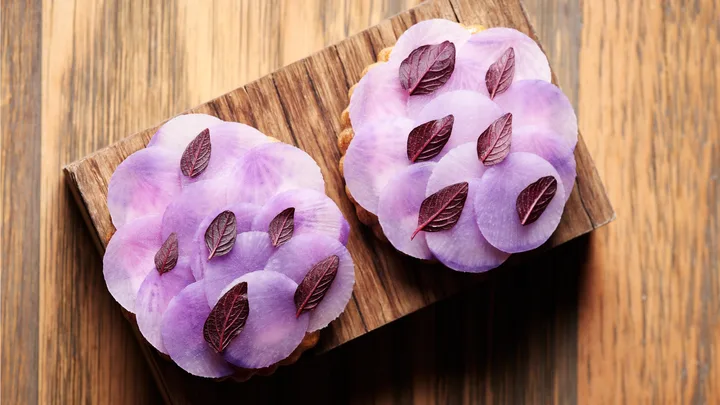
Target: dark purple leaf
[196, 157]
[227, 318]
[316, 283]
[427, 68]
[427, 140]
[282, 226]
[166, 258]
[441, 211]
[493, 145]
[500, 74]
[533, 200]
[220, 235]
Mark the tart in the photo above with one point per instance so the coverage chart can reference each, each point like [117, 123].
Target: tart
[457, 147]
[228, 254]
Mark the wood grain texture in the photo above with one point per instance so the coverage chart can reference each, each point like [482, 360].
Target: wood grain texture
[19, 206]
[650, 307]
[514, 339]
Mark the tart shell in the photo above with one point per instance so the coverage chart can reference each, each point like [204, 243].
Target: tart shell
[346, 135]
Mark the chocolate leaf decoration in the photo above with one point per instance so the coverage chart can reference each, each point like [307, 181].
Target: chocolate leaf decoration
[196, 157]
[282, 226]
[427, 140]
[316, 283]
[166, 258]
[441, 211]
[500, 74]
[493, 145]
[227, 318]
[427, 68]
[220, 235]
[533, 200]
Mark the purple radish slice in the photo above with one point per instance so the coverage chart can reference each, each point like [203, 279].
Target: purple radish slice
[182, 334]
[250, 253]
[378, 97]
[496, 198]
[129, 257]
[154, 295]
[463, 247]
[184, 215]
[399, 208]
[540, 104]
[314, 213]
[473, 113]
[428, 32]
[175, 135]
[244, 215]
[230, 141]
[551, 147]
[376, 153]
[143, 184]
[295, 258]
[486, 47]
[272, 331]
[459, 165]
[270, 169]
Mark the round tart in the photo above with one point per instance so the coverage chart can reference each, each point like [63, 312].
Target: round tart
[228, 254]
[457, 147]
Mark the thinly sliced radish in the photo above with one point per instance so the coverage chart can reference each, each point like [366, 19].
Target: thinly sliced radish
[229, 142]
[463, 247]
[473, 113]
[551, 147]
[182, 334]
[482, 50]
[378, 97]
[486, 47]
[196, 201]
[495, 203]
[175, 135]
[153, 298]
[540, 104]
[295, 258]
[428, 32]
[314, 213]
[459, 165]
[250, 253]
[270, 169]
[399, 208]
[376, 154]
[271, 332]
[244, 215]
[129, 257]
[143, 184]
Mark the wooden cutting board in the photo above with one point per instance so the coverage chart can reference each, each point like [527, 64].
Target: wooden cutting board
[301, 105]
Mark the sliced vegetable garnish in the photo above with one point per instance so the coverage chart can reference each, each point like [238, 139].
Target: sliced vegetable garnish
[295, 259]
[496, 201]
[272, 331]
[399, 206]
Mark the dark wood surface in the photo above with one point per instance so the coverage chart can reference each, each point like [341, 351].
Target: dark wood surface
[628, 315]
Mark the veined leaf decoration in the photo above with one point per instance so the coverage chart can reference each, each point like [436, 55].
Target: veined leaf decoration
[441, 211]
[227, 318]
[314, 286]
[535, 198]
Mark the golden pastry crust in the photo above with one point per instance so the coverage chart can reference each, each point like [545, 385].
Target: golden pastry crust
[346, 136]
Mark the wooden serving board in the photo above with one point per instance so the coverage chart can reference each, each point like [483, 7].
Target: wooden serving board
[301, 105]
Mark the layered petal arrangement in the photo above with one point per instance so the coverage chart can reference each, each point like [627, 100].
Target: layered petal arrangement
[462, 149]
[227, 250]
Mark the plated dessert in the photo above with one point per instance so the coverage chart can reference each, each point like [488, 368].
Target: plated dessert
[228, 254]
[457, 146]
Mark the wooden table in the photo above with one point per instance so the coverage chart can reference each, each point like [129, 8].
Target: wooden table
[629, 315]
